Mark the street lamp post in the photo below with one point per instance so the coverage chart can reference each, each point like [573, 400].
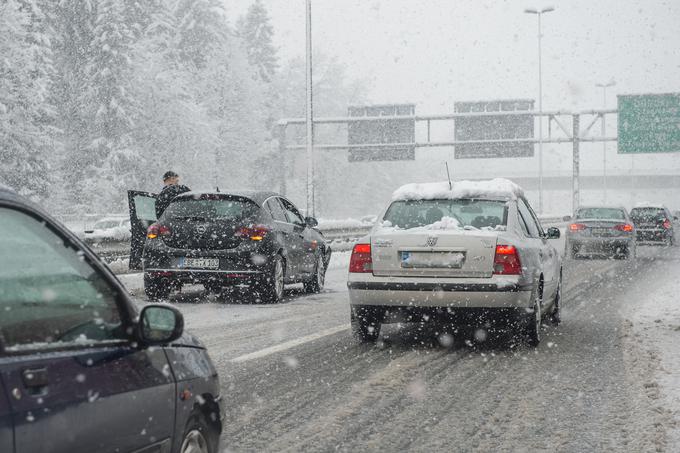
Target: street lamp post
[604, 87]
[539, 13]
[309, 110]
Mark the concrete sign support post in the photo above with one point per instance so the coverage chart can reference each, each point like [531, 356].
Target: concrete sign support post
[576, 163]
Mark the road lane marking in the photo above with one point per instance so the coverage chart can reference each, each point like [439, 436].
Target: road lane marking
[288, 344]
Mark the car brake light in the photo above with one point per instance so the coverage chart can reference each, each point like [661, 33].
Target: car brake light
[624, 227]
[667, 224]
[253, 232]
[156, 230]
[506, 261]
[577, 227]
[361, 261]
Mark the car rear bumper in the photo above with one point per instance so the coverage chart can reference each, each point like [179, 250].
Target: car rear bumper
[475, 293]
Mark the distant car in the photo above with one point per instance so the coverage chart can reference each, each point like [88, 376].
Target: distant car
[463, 256]
[601, 230]
[81, 370]
[254, 239]
[654, 225]
[108, 229]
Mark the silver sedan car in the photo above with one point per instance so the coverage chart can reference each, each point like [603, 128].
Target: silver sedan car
[465, 254]
[601, 230]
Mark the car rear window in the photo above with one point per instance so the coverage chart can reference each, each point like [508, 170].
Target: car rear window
[211, 207]
[470, 213]
[601, 214]
[647, 214]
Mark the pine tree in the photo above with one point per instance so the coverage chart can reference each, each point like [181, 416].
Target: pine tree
[24, 137]
[257, 34]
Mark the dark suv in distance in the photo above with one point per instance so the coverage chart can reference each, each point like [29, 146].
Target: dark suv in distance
[653, 224]
[254, 239]
[81, 370]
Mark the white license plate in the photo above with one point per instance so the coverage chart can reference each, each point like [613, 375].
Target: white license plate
[199, 263]
[601, 231]
[445, 260]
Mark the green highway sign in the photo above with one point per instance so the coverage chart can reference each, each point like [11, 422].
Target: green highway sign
[649, 123]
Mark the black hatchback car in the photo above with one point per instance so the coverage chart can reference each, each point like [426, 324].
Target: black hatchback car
[257, 240]
[81, 370]
[653, 224]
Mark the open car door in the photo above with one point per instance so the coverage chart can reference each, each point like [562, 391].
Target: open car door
[142, 214]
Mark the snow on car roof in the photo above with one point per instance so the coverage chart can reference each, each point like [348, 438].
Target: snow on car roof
[646, 204]
[494, 188]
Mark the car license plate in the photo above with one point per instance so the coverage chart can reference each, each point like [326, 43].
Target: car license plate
[445, 260]
[601, 231]
[199, 263]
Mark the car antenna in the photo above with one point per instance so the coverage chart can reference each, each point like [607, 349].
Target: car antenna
[448, 175]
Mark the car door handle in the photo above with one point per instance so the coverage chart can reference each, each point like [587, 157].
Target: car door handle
[35, 378]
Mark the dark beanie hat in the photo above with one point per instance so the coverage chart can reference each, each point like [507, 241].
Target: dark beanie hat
[169, 174]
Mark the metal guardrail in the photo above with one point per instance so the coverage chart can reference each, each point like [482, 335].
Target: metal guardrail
[340, 239]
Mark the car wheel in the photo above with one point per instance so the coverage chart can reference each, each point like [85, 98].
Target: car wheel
[198, 436]
[271, 288]
[365, 325]
[156, 289]
[556, 313]
[533, 326]
[318, 280]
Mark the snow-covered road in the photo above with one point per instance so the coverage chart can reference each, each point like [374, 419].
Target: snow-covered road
[605, 380]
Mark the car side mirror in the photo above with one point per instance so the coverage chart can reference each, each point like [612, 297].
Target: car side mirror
[553, 233]
[566, 218]
[311, 222]
[160, 324]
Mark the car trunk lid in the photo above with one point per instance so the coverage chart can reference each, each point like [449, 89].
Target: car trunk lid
[433, 253]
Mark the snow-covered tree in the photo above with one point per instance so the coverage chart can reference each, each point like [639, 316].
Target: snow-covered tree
[257, 34]
[25, 136]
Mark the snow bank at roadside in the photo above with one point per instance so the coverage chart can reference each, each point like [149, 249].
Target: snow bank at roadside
[654, 330]
[499, 187]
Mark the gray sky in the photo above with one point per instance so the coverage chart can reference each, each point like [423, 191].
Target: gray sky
[436, 52]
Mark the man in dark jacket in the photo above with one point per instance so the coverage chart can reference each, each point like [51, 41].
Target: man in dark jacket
[170, 191]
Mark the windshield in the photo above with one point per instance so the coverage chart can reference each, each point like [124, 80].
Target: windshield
[601, 214]
[214, 208]
[461, 213]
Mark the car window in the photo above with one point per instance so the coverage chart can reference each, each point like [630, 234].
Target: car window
[601, 213]
[276, 210]
[528, 218]
[210, 207]
[145, 207]
[461, 212]
[292, 214]
[49, 295]
[647, 214]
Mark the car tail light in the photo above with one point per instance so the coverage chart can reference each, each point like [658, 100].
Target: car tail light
[624, 227]
[361, 261]
[156, 230]
[667, 224]
[506, 261]
[253, 232]
[577, 227]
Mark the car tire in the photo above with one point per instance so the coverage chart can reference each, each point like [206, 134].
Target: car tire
[156, 289]
[534, 321]
[316, 284]
[365, 325]
[198, 436]
[555, 317]
[271, 287]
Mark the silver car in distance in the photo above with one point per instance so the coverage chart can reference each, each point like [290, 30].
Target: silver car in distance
[467, 254]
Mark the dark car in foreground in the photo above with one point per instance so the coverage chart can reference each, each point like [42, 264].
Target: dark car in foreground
[601, 230]
[254, 240]
[654, 225]
[81, 370]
